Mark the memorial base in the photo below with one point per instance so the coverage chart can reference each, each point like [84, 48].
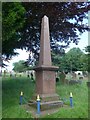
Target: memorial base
[47, 102]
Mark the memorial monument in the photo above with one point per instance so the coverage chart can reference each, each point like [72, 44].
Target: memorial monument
[45, 72]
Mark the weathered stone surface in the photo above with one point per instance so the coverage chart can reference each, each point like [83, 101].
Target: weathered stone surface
[62, 76]
[47, 105]
[45, 73]
[72, 82]
[45, 53]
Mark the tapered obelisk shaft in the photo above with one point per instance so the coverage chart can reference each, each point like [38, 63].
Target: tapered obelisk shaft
[45, 51]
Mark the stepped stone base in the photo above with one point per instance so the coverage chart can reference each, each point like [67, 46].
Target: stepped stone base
[47, 102]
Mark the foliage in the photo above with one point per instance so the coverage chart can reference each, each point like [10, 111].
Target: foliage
[59, 60]
[12, 23]
[87, 49]
[73, 60]
[19, 66]
[66, 18]
[84, 62]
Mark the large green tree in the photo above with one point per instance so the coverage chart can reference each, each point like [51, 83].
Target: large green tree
[84, 62]
[12, 23]
[73, 60]
[66, 20]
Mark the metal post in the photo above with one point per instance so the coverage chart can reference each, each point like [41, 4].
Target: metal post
[38, 104]
[71, 100]
[21, 97]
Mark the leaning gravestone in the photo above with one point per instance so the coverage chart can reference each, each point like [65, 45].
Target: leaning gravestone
[45, 73]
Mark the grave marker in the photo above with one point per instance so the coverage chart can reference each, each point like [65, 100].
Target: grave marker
[45, 72]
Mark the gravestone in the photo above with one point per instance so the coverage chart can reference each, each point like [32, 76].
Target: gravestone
[45, 73]
[5, 73]
[74, 76]
[62, 77]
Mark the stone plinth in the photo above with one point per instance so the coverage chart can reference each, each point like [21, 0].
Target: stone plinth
[45, 79]
[47, 105]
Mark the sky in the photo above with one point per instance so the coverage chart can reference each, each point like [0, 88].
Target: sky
[82, 43]
[23, 55]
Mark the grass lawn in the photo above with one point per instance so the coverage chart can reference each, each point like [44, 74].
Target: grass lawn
[12, 87]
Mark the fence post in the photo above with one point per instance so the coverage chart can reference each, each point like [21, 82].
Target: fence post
[71, 99]
[21, 97]
[38, 104]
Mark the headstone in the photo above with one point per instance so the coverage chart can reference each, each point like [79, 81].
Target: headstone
[62, 77]
[32, 76]
[10, 74]
[73, 82]
[28, 74]
[4, 73]
[74, 76]
[15, 74]
[45, 72]
[57, 77]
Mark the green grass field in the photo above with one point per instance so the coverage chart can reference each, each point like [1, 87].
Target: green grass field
[12, 87]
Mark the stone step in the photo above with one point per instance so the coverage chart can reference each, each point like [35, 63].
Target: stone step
[47, 105]
[47, 97]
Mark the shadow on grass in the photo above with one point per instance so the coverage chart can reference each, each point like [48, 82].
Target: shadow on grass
[11, 88]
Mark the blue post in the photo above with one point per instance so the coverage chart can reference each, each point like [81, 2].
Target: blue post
[21, 98]
[71, 100]
[38, 104]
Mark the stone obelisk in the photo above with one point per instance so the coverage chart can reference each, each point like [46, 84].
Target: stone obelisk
[45, 72]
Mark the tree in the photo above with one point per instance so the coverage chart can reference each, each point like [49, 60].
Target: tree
[87, 49]
[73, 60]
[12, 23]
[59, 60]
[62, 29]
[84, 62]
[19, 66]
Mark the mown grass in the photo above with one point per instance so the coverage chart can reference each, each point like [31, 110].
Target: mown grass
[11, 88]
[80, 101]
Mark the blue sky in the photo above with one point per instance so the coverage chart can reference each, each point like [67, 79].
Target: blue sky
[82, 43]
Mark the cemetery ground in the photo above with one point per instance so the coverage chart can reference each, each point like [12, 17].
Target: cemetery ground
[11, 88]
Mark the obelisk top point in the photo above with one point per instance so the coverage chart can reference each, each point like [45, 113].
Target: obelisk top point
[45, 16]
[45, 51]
